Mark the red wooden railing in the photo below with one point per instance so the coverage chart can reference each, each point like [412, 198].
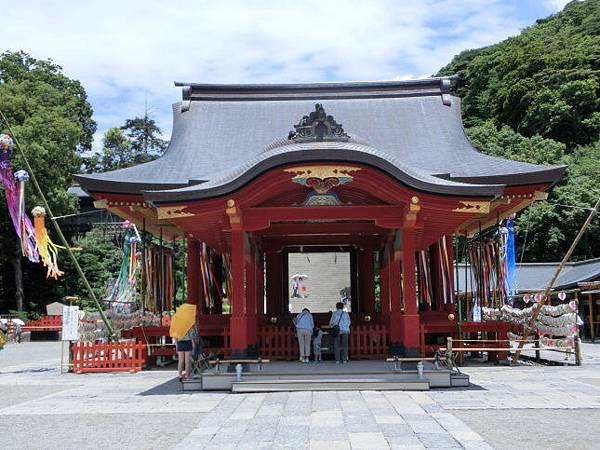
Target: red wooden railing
[44, 323]
[278, 342]
[368, 341]
[125, 356]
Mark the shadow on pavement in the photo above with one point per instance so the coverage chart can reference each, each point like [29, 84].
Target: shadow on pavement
[171, 387]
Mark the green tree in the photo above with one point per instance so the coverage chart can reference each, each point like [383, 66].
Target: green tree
[100, 259]
[136, 142]
[117, 153]
[145, 137]
[52, 118]
[535, 97]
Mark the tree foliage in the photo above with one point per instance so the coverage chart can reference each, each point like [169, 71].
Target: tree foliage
[52, 118]
[535, 97]
[136, 142]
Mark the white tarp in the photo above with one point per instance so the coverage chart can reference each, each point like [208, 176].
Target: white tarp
[70, 323]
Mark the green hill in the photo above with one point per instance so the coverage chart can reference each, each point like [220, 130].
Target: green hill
[536, 97]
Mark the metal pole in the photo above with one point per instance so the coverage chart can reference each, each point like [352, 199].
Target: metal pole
[63, 240]
[537, 310]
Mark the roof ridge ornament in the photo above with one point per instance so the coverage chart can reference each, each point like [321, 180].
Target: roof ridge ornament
[318, 126]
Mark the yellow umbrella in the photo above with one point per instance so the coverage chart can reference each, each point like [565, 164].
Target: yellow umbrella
[182, 320]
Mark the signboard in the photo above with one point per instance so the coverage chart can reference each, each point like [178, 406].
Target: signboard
[70, 323]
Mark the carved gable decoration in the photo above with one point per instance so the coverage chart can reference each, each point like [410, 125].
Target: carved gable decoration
[318, 126]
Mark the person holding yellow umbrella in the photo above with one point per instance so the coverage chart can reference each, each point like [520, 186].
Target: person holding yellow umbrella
[185, 332]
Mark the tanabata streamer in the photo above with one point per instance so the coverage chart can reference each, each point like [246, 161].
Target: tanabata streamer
[14, 195]
[48, 250]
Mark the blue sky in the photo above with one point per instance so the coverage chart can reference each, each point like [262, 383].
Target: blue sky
[127, 51]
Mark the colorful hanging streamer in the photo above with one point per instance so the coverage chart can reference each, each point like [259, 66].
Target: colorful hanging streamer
[15, 198]
[48, 250]
[124, 292]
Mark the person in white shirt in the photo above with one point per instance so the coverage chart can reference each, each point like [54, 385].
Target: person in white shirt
[304, 328]
[340, 318]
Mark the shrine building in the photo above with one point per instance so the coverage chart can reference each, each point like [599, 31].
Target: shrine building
[379, 170]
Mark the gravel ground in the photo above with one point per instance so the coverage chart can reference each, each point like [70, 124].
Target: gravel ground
[536, 428]
[93, 431]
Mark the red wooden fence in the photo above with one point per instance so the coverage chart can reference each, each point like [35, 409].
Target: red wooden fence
[278, 342]
[125, 356]
[366, 342]
[44, 323]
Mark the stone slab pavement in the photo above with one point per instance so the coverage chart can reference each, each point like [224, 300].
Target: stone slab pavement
[526, 407]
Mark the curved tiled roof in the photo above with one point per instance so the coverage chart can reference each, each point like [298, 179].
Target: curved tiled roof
[224, 135]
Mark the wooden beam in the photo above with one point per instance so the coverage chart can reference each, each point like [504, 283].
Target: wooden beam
[297, 213]
[303, 229]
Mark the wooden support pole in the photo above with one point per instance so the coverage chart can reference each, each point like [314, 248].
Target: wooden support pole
[591, 317]
[546, 296]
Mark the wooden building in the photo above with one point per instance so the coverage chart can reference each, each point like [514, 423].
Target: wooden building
[378, 169]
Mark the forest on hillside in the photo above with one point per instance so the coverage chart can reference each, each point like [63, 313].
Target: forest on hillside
[535, 97]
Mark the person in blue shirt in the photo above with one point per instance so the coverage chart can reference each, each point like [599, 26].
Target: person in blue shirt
[304, 329]
[340, 318]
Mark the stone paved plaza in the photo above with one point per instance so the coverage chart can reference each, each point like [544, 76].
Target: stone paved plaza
[506, 407]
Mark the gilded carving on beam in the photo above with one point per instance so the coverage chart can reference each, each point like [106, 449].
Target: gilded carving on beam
[322, 178]
[173, 212]
[473, 207]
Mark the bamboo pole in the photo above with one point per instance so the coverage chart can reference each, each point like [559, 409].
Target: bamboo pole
[61, 236]
[546, 295]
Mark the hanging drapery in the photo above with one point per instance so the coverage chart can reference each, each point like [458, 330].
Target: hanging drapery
[15, 200]
[510, 266]
[488, 261]
[424, 267]
[123, 295]
[159, 282]
[446, 271]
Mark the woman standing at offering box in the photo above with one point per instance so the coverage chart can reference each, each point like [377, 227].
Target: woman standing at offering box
[185, 345]
[340, 330]
[304, 329]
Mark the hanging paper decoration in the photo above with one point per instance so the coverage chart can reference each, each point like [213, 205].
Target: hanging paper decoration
[15, 196]
[446, 271]
[48, 250]
[159, 289]
[510, 257]
[123, 294]
[425, 291]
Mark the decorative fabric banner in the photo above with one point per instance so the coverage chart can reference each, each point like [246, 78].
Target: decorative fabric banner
[48, 250]
[21, 222]
[511, 260]
[124, 292]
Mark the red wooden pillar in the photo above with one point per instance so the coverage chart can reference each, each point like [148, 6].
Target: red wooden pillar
[238, 321]
[451, 307]
[384, 292]
[366, 282]
[410, 319]
[251, 291]
[274, 263]
[193, 272]
[395, 286]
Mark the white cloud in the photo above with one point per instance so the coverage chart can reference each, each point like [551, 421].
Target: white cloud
[556, 5]
[124, 50]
